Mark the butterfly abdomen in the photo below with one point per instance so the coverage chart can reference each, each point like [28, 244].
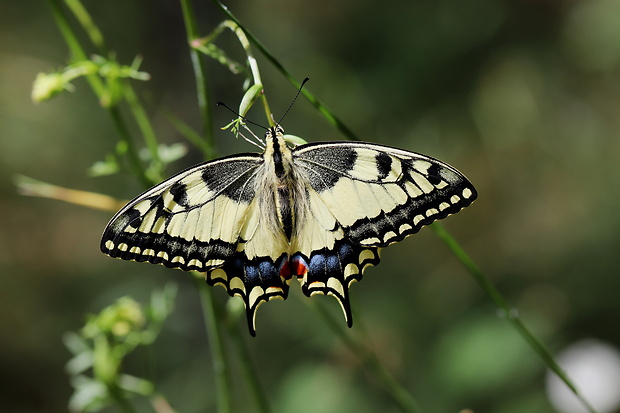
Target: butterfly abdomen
[281, 182]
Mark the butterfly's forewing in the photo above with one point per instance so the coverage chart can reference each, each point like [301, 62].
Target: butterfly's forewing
[378, 194]
[181, 223]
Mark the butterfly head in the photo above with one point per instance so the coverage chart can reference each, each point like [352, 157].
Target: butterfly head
[273, 133]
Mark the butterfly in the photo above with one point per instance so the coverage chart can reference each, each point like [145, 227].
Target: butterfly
[320, 212]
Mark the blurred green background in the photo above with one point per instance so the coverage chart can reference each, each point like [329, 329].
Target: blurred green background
[522, 96]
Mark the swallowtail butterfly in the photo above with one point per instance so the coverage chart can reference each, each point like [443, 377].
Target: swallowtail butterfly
[319, 212]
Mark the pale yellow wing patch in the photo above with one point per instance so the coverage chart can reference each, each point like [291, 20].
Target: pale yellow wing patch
[378, 194]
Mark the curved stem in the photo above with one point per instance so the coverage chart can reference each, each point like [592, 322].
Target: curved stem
[505, 311]
[320, 106]
[218, 350]
[200, 74]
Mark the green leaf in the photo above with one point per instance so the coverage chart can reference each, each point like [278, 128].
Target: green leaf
[249, 98]
[295, 140]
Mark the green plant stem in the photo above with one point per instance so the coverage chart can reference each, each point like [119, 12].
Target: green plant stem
[212, 319]
[74, 45]
[505, 311]
[320, 106]
[248, 371]
[241, 35]
[99, 88]
[135, 163]
[144, 124]
[191, 28]
[399, 394]
[139, 114]
[189, 133]
[87, 23]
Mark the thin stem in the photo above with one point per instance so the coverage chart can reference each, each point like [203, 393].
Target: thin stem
[99, 88]
[248, 371]
[399, 394]
[139, 114]
[134, 159]
[212, 317]
[243, 39]
[87, 23]
[144, 124]
[191, 28]
[510, 313]
[74, 45]
[189, 133]
[320, 106]
[32, 187]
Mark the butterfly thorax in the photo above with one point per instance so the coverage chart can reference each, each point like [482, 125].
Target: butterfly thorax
[282, 189]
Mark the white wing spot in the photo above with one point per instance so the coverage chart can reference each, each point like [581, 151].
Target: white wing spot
[365, 254]
[235, 283]
[109, 245]
[336, 285]
[123, 247]
[404, 227]
[431, 212]
[418, 219]
[255, 295]
[220, 274]
[163, 255]
[467, 193]
[178, 259]
[195, 262]
[275, 290]
[389, 235]
[351, 269]
[215, 263]
[314, 286]
[135, 250]
[444, 205]
[455, 199]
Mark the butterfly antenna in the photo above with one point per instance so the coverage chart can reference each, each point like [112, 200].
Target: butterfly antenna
[238, 115]
[294, 99]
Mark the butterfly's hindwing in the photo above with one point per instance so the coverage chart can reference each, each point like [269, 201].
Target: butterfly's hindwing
[331, 271]
[381, 194]
[323, 258]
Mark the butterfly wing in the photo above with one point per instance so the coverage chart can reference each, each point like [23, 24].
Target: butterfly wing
[208, 219]
[362, 197]
[253, 272]
[352, 199]
[190, 221]
[378, 194]
[325, 259]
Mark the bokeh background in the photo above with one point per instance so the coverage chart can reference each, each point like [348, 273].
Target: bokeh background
[523, 96]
